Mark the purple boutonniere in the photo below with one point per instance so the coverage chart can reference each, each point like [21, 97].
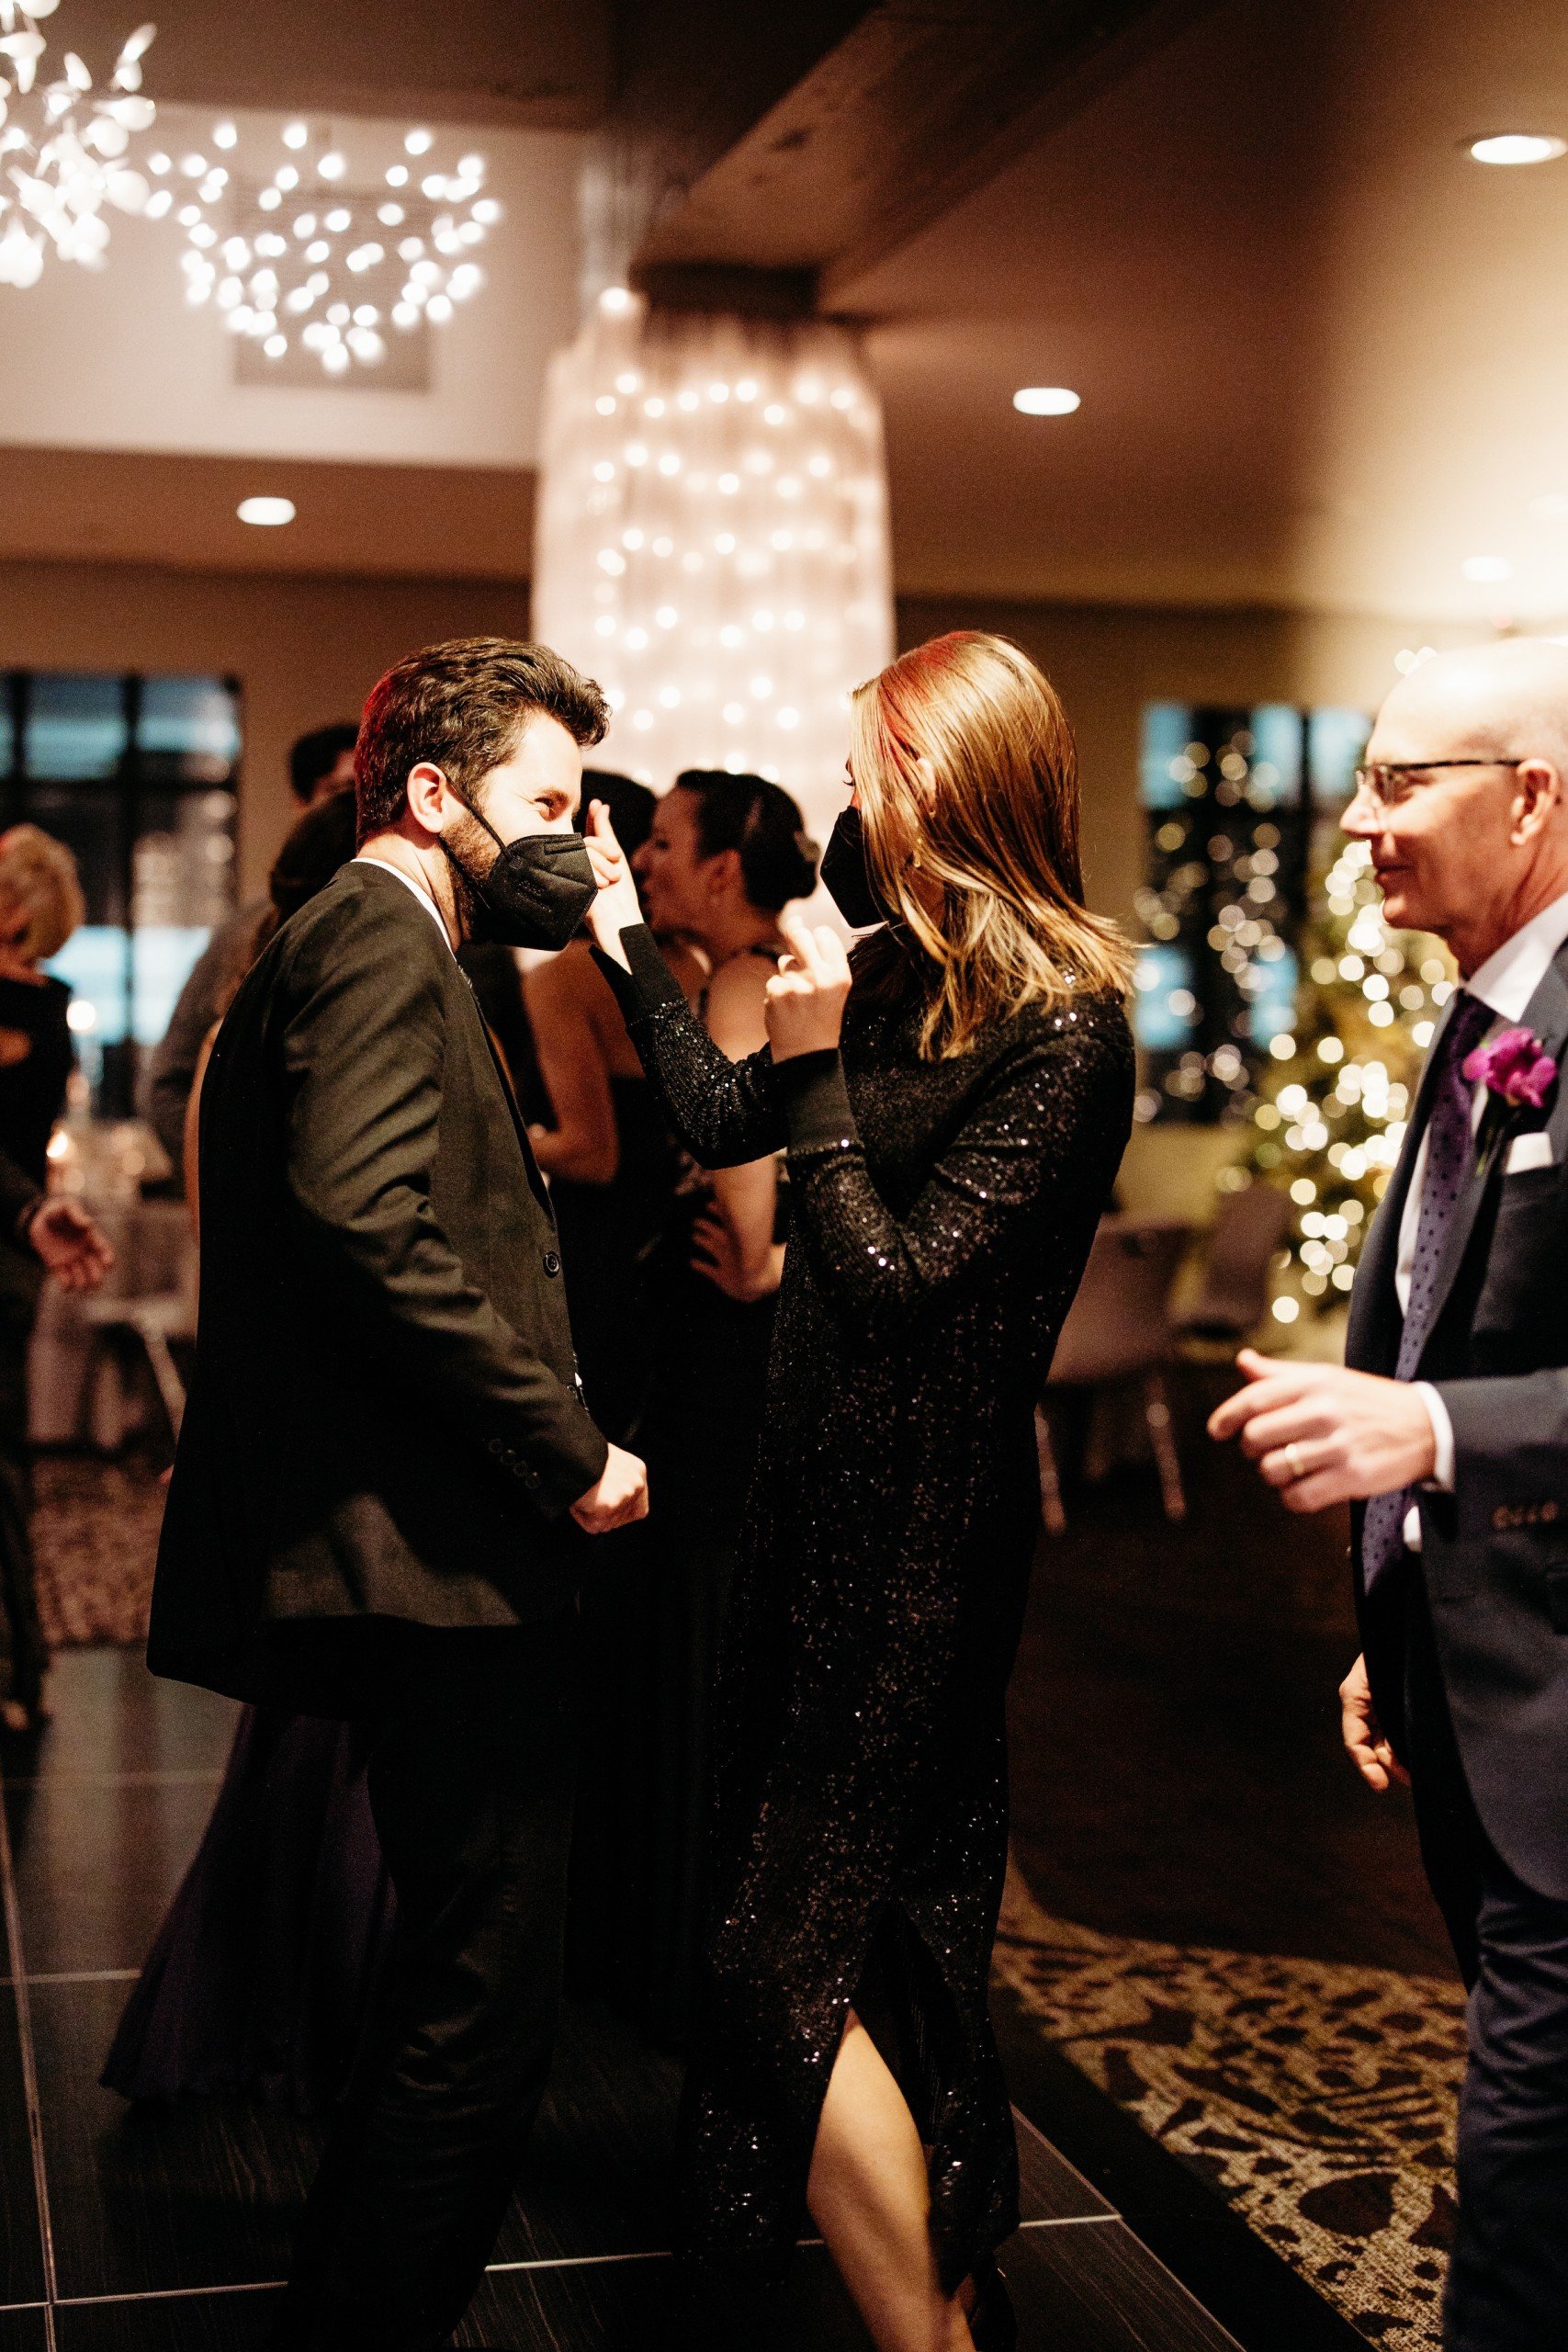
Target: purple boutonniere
[1515, 1066]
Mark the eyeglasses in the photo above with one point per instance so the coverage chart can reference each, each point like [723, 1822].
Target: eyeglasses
[1389, 783]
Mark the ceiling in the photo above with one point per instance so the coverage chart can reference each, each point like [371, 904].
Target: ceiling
[439, 522]
[1322, 354]
[543, 66]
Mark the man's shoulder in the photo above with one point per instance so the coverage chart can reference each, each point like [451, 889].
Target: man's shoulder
[363, 910]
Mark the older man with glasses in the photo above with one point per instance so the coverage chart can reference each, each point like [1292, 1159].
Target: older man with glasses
[1448, 1433]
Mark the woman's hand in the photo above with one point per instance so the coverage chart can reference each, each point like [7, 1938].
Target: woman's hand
[70, 1244]
[807, 995]
[617, 906]
[718, 1257]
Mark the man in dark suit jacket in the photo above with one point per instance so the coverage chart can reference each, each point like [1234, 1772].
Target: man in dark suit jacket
[387, 1468]
[1449, 1435]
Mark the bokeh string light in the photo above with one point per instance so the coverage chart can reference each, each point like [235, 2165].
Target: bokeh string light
[1331, 1112]
[66, 152]
[289, 252]
[712, 540]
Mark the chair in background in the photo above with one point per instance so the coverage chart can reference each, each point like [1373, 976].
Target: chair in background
[82, 1365]
[1234, 1297]
[1118, 1332]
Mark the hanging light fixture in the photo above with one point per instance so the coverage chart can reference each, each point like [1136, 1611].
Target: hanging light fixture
[64, 153]
[289, 252]
[712, 540]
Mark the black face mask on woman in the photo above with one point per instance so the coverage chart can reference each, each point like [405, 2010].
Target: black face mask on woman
[846, 877]
[538, 891]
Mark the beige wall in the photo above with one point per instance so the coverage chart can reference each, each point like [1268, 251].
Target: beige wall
[1107, 661]
[306, 649]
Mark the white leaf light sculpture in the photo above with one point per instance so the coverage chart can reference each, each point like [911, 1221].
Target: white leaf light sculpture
[299, 258]
[62, 151]
[713, 541]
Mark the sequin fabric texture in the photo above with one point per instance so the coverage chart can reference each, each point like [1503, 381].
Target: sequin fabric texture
[942, 1215]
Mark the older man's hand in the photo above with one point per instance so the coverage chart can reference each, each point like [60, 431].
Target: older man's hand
[1325, 1435]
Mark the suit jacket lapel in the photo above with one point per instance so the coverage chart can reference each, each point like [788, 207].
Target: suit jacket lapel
[1547, 1015]
[540, 1190]
[1372, 1338]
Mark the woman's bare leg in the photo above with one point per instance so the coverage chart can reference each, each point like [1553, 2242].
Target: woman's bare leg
[868, 2194]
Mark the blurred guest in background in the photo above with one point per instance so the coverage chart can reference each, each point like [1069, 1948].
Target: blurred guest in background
[40, 906]
[727, 855]
[721, 855]
[605, 1146]
[320, 765]
[267, 1961]
[947, 1170]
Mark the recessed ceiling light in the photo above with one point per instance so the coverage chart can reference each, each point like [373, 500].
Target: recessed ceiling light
[1487, 568]
[269, 512]
[1519, 147]
[1045, 399]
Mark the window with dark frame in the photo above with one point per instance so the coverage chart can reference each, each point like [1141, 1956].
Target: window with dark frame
[139, 776]
[1241, 805]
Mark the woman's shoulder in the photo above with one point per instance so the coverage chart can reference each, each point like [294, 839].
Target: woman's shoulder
[1093, 1027]
[737, 1000]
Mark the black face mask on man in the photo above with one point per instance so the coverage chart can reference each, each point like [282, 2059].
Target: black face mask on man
[538, 891]
[845, 874]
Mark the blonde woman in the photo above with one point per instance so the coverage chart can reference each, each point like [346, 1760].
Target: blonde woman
[40, 906]
[955, 1103]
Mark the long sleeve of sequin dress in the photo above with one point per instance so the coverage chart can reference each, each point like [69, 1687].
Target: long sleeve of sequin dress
[942, 1213]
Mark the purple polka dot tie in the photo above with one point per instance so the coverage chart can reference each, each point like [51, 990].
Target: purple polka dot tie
[1450, 1154]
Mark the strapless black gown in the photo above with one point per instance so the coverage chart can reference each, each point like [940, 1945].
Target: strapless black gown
[607, 1233]
[942, 1212]
[266, 1967]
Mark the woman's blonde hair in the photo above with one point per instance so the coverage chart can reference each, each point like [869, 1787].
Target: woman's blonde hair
[40, 896]
[968, 778]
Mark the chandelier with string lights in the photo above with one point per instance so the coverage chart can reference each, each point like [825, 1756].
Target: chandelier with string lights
[64, 151]
[305, 251]
[713, 540]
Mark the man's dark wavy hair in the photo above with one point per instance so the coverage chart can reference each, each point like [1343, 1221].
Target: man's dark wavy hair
[462, 707]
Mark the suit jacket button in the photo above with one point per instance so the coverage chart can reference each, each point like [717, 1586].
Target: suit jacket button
[552, 1261]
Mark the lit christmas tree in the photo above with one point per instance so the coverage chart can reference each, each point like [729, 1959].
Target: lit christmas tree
[1332, 1106]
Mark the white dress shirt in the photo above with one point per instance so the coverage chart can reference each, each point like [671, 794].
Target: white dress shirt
[427, 902]
[1505, 982]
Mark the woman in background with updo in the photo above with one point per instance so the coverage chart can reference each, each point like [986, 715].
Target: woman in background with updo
[725, 855]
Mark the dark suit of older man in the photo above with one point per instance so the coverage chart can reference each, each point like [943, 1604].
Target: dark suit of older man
[1465, 1638]
[1446, 1430]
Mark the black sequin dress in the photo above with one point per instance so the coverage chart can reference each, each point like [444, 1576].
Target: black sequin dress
[942, 1212]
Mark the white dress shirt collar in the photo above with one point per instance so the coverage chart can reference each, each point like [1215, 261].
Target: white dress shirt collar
[1511, 975]
[426, 901]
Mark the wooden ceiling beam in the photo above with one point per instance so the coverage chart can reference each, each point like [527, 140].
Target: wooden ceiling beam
[916, 103]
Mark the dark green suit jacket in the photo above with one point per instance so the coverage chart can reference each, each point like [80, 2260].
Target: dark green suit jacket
[384, 1419]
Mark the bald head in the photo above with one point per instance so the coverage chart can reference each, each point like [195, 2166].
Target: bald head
[1509, 699]
[1471, 840]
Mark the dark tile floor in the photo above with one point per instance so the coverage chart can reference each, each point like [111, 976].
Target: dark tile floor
[124, 2232]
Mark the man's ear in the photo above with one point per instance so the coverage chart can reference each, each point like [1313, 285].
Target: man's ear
[429, 796]
[1537, 796]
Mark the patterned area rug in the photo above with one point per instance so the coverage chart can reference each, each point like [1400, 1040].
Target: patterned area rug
[1319, 2100]
[96, 1536]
